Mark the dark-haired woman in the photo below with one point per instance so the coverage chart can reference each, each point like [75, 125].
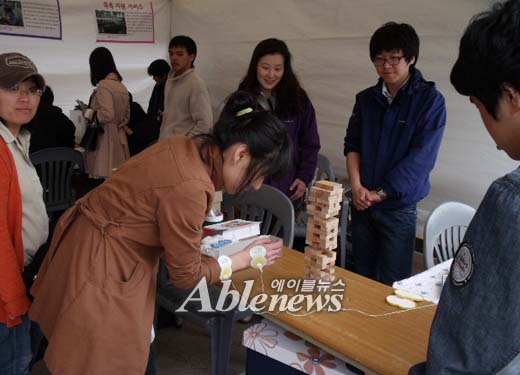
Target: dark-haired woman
[271, 79]
[95, 292]
[110, 107]
[50, 127]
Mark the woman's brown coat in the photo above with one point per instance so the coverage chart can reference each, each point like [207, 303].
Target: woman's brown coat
[112, 105]
[95, 293]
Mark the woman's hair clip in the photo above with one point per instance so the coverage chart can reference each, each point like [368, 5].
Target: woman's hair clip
[244, 111]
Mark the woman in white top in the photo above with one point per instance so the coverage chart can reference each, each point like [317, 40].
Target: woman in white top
[23, 218]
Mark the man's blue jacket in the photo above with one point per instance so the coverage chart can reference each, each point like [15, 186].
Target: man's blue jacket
[398, 143]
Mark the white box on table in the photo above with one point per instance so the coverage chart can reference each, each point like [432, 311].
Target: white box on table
[234, 230]
[212, 247]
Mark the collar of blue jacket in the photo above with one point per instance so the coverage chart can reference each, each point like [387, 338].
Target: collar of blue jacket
[415, 84]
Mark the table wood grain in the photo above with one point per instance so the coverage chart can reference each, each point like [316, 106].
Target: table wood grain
[387, 345]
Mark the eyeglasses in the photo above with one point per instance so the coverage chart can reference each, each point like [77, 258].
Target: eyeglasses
[32, 91]
[394, 60]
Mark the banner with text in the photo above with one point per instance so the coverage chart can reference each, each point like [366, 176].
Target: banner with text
[35, 18]
[124, 21]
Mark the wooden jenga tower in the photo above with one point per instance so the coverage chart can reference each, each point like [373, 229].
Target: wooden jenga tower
[322, 229]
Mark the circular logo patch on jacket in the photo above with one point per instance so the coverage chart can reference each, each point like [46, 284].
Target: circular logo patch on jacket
[463, 265]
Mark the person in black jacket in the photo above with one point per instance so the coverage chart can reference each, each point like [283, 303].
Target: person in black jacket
[50, 127]
[159, 70]
[145, 128]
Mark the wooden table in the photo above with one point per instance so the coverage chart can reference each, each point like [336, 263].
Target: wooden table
[387, 345]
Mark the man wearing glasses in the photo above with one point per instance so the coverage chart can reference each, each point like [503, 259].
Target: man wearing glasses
[391, 145]
[24, 223]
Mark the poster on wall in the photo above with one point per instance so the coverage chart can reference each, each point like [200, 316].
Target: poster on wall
[31, 18]
[124, 21]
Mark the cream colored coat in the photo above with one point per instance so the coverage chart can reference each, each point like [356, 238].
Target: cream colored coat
[95, 292]
[187, 106]
[112, 105]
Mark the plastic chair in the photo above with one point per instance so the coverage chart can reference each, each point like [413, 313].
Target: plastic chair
[444, 231]
[55, 167]
[276, 212]
[324, 171]
[268, 205]
[343, 233]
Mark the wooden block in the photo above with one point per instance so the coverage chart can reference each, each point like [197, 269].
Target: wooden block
[326, 271]
[320, 261]
[324, 206]
[318, 193]
[326, 274]
[323, 224]
[315, 253]
[323, 210]
[318, 272]
[322, 215]
[322, 233]
[312, 251]
[321, 236]
[313, 269]
[330, 254]
[318, 264]
[336, 199]
[328, 185]
[312, 264]
[329, 203]
[324, 193]
[325, 244]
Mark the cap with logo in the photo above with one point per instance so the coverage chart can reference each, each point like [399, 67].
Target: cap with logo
[16, 68]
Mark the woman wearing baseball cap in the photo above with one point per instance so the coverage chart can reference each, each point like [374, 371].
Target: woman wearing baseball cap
[23, 219]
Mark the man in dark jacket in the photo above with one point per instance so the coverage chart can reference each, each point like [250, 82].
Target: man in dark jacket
[391, 145]
[50, 127]
[476, 329]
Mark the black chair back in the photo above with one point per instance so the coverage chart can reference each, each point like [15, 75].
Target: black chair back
[268, 205]
[55, 167]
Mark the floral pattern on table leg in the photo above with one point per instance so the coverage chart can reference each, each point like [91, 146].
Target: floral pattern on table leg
[314, 360]
[260, 338]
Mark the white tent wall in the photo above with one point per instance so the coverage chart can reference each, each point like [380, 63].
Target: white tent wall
[329, 43]
[64, 63]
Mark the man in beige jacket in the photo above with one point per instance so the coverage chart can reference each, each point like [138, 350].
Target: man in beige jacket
[187, 106]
